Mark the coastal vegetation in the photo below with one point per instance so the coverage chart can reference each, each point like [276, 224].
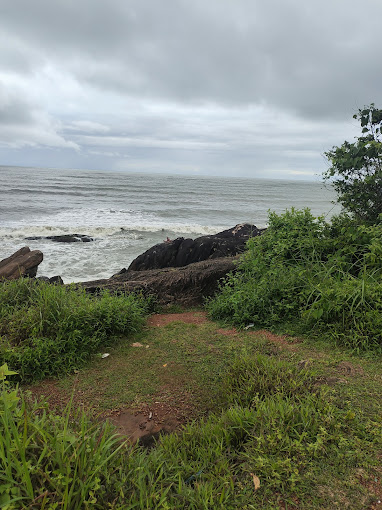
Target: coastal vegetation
[49, 330]
[291, 421]
[356, 168]
[307, 275]
[278, 423]
[304, 275]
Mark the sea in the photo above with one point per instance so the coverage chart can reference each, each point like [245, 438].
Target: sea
[127, 213]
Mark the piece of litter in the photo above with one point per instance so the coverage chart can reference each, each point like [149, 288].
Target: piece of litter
[250, 326]
[150, 415]
[137, 344]
[165, 365]
[191, 479]
[147, 346]
[256, 481]
[105, 355]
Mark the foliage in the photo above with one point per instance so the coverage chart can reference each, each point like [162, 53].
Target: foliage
[49, 330]
[308, 274]
[47, 461]
[357, 168]
[290, 440]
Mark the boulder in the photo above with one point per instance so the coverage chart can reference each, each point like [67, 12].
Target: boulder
[23, 262]
[182, 252]
[65, 238]
[186, 286]
[54, 279]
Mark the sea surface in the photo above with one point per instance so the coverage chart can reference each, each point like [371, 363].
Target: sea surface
[126, 213]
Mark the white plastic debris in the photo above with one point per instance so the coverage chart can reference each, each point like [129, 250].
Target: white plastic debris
[105, 355]
[250, 326]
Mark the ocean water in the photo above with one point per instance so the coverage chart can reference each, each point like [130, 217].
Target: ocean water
[126, 213]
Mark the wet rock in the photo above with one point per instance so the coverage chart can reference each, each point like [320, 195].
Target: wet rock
[23, 263]
[65, 238]
[54, 279]
[181, 252]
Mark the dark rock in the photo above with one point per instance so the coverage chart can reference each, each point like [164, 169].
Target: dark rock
[23, 262]
[54, 279]
[43, 279]
[186, 286]
[57, 280]
[122, 271]
[181, 252]
[65, 238]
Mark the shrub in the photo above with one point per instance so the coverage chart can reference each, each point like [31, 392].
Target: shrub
[305, 273]
[48, 330]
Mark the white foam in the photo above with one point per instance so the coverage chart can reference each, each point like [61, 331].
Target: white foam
[100, 223]
[133, 232]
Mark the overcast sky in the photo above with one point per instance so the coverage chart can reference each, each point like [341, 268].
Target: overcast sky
[257, 88]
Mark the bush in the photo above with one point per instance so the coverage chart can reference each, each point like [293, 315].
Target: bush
[49, 330]
[305, 273]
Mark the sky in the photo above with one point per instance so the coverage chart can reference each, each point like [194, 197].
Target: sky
[248, 88]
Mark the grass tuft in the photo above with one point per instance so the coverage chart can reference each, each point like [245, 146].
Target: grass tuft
[49, 330]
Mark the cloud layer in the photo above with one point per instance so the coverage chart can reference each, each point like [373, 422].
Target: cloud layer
[226, 88]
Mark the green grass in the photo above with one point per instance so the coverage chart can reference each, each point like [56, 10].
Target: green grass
[301, 415]
[195, 356]
[311, 432]
[311, 445]
[50, 330]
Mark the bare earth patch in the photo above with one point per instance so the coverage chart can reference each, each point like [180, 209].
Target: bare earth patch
[162, 319]
[167, 414]
[227, 332]
[281, 340]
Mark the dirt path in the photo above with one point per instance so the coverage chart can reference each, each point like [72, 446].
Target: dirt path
[159, 380]
[171, 407]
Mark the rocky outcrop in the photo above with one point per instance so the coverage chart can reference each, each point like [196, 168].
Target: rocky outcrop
[65, 238]
[23, 262]
[185, 286]
[182, 252]
[54, 279]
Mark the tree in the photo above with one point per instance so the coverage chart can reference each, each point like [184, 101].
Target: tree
[357, 168]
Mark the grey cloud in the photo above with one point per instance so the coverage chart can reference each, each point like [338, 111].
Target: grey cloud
[23, 124]
[220, 87]
[14, 110]
[317, 59]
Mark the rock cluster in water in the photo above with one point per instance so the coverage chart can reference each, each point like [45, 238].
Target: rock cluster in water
[65, 238]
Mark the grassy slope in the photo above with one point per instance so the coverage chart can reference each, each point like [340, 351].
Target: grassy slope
[192, 360]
